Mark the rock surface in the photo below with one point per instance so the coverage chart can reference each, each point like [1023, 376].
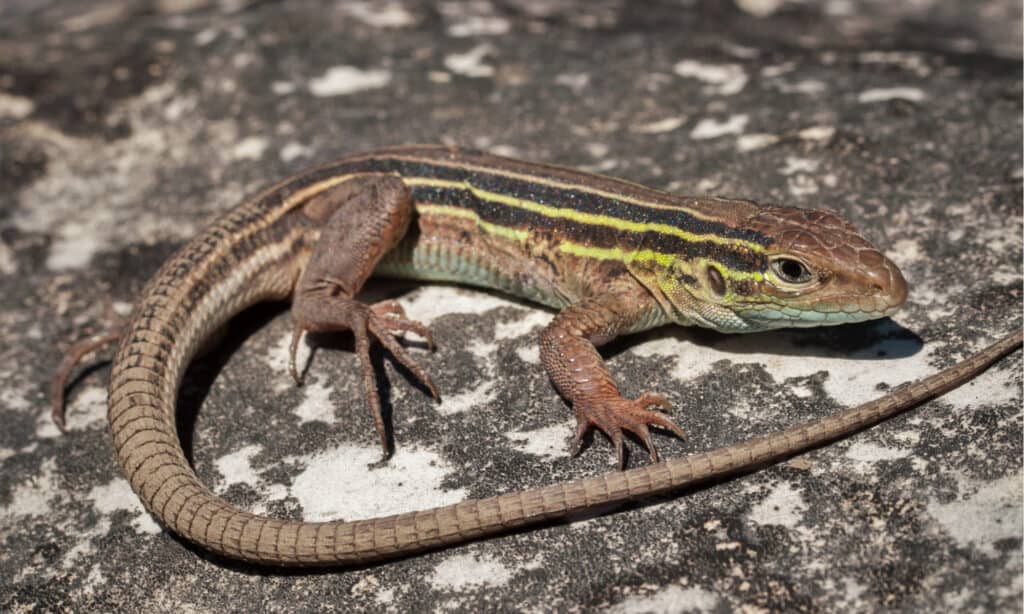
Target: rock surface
[123, 129]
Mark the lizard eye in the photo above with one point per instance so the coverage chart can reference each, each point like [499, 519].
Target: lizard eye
[791, 271]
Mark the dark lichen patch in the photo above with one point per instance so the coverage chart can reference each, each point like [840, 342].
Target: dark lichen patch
[21, 163]
[74, 81]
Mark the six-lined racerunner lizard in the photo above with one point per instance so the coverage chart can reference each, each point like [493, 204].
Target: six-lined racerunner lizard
[612, 257]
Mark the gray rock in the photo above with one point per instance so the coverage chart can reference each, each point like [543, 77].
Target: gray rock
[124, 128]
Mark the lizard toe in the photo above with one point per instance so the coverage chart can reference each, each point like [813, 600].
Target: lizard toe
[617, 415]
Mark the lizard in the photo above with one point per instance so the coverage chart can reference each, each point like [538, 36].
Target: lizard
[612, 257]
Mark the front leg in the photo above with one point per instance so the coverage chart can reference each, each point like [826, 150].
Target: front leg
[364, 218]
[568, 352]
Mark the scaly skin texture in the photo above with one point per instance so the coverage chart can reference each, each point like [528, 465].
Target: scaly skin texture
[317, 237]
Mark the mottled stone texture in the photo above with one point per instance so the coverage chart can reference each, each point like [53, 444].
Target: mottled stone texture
[124, 128]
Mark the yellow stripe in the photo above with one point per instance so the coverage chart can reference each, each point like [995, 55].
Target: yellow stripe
[512, 234]
[579, 187]
[660, 258]
[580, 216]
[579, 249]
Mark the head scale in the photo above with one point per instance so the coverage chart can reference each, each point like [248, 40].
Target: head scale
[814, 269]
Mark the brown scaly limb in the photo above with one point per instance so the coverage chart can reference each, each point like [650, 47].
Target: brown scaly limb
[613, 257]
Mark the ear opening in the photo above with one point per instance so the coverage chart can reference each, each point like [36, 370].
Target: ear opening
[716, 283]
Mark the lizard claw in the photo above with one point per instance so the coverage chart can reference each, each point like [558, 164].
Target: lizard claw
[392, 315]
[614, 416]
[384, 329]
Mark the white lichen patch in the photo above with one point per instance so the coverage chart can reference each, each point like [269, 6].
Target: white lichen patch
[596, 150]
[574, 81]
[776, 70]
[474, 399]
[15, 107]
[385, 596]
[73, 248]
[471, 63]
[479, 25]
[282, 88]
[439, 76]
[119, 173]
[668, 600]
[817, 133]
[744, 408]
[509, 151]
[345, 80]
[547, 442]
[84, 410]
[800, 180]
[531, 321]
[35, 496]
[463, 571]
[853, 376]
[802, 391]
[292, 151]
[802, 185]
[472, 19]
[483, 349]
[205, 37]
[117, 496]
[661, 126]
[867, 453]
[760, 8]
[993, 387]
[796, 164]
[755, 141]
[913, 94]
[84, 545]
[94, 580]
[784, 506]
[807, 87]
[316, 405]
[428, 303]
[709, 128]
[1005, 275]
[380, 14]
[8, 263]
[722, 79]
[529, 354]
[236, 467]
[852, 593]
[250, 148]
[984, 513]
[340, 483]
[179, 107]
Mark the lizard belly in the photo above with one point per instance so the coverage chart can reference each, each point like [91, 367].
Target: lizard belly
[441, 246]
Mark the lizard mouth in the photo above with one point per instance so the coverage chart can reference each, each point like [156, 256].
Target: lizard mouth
[774, 316]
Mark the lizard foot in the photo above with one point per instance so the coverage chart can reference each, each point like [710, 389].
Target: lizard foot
[613, 416]
[383, 321]
[393, 315]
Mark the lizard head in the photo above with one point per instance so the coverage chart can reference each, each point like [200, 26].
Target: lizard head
[813, 268]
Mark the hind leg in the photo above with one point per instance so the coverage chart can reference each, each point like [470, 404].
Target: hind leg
[368, 218]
